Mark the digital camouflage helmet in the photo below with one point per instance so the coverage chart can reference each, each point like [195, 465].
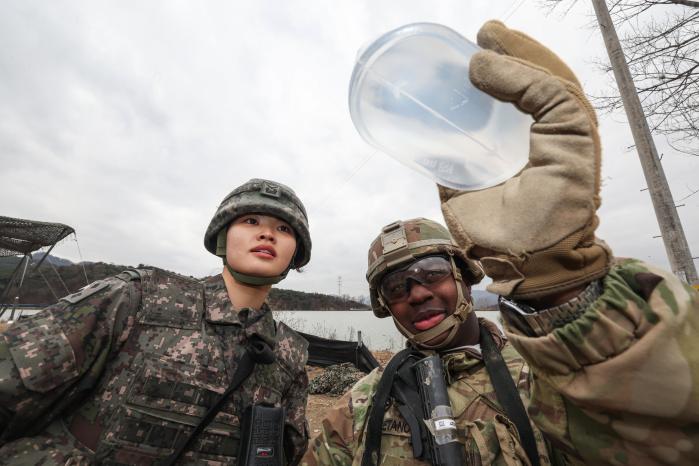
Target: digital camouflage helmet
[403, 242]
[261, 197]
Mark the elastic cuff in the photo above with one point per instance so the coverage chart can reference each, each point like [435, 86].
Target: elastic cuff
[545, 321]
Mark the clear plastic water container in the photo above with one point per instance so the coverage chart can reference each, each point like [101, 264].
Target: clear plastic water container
[410, 96]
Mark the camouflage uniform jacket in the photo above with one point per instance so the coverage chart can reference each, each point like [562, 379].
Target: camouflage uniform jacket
[482, 425]
[121, 371]
[613, 379]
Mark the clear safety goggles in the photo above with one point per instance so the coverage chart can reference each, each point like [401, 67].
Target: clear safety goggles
[394, 287]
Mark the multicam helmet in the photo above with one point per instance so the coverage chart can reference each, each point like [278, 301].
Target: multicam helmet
[403, 242]
[261, 197]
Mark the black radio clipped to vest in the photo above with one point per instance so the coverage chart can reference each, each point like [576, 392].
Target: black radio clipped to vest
[262, 434]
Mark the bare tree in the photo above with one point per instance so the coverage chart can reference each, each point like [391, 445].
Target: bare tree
[660, 39]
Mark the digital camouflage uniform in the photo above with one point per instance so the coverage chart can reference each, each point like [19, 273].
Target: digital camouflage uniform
[613, 378]
[120, 372]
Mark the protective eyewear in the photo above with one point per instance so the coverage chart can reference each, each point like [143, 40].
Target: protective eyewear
[394, 287]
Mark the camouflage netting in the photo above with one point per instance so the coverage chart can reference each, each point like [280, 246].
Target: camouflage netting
[335, 380]
[323, 352]
[18, 236]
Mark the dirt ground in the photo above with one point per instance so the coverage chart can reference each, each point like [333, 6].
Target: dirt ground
[318, 405]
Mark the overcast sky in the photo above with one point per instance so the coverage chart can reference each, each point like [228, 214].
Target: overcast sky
[130, 121]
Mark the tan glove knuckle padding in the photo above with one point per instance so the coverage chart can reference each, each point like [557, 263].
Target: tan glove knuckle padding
[540, 224]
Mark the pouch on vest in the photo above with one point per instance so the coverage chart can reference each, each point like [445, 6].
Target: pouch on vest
[262, 435]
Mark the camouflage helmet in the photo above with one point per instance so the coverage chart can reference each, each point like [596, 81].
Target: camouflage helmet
[402, 242]
[261, 197]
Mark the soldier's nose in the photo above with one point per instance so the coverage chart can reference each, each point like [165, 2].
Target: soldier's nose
[417, 292]
[266, 234]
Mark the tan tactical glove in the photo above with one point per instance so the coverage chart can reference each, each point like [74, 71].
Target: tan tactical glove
[534, 234]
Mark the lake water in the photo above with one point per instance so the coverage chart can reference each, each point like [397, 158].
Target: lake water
[377, 334]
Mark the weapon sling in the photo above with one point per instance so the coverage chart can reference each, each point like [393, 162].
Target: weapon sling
[256, 351]
[507, 394]
[372, 445]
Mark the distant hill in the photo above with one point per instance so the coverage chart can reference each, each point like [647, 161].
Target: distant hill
[57, 261]
[484, 300]
[37, 291]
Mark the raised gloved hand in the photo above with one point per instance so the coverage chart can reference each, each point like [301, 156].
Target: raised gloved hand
[534, 234]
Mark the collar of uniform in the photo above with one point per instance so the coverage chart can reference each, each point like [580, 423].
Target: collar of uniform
[259, 322]
[220, 310]
[462, 360]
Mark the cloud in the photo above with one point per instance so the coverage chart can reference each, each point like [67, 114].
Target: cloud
[131, 123]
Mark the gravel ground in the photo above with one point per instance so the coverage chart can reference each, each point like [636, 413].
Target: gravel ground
[318, 405]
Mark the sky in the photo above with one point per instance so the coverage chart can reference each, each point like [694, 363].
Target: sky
[130, 121]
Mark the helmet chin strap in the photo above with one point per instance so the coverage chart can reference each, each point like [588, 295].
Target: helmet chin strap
[451, 324]
[253, 280]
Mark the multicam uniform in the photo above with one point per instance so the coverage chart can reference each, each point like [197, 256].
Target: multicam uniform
[482, 425]
[120, 372]
[614, 380]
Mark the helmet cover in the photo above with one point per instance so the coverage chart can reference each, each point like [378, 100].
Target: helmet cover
[262, 197]
[402, 242]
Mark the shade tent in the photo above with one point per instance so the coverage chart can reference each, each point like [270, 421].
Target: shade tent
[22, 237]
[19, 236]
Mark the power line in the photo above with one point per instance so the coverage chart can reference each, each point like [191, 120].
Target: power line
[347, 180]
[521, 2]
[82, 261]
[507, 9]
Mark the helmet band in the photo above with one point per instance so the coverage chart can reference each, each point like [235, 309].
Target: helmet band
[221, 242]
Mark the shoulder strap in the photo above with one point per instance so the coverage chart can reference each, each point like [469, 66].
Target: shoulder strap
[408, 399]
[379, 402]
[507, 394]
[132, 274]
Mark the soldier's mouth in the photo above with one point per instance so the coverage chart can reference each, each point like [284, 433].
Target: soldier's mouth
[429, 320]
[266, 252]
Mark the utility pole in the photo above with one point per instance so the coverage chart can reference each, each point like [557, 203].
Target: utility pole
[339, 286]
[670, 227]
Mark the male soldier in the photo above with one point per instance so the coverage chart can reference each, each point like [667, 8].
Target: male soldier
[612, 346]
[422, 279]
[151, 367]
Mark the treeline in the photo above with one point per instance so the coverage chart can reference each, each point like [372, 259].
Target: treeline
[290, 300]
[46, 286]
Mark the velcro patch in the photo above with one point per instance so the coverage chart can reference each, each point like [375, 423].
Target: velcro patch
[85, 292]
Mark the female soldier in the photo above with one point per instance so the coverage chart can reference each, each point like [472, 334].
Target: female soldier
[150, 366]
